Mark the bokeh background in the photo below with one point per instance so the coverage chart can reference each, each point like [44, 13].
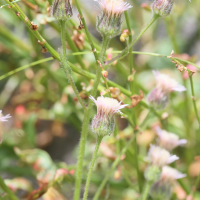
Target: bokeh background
[46, 115]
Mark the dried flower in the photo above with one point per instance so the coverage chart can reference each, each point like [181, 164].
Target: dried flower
[110, 20]
[79, 39]
[162, 188]
[159, 96]
[103, 123]
[160, 157]
[162, 7]
[167, 140]
[61, 9]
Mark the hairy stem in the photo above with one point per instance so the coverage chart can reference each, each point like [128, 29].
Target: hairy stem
[146, 190]
[99, 139]
[65, 64]
[86, 121]
[7, 190]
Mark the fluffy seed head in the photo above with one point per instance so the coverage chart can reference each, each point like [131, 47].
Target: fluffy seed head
[103, 122]
[167, 140]
[160, 157]
[61, 9]
[109, 21]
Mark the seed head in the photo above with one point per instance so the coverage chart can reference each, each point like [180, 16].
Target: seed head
[167, 140]
[109, 22]
[61, 9]
[104, 123]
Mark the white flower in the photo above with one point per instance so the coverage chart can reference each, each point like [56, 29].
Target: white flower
[4, 118]
[167, 84]
[167, 140]
[160, 157]
[103, 122]
[113, 7]
[169, 174]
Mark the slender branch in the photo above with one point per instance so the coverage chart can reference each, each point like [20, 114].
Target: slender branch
[7, 190]
[125, 51]
[99, 139]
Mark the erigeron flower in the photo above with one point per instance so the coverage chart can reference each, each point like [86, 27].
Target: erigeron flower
[4, 118]
[110, 20]
[160, 157]
[162, 189]
[168, 140]
[104, 123]
[62, 9]
[165, 85]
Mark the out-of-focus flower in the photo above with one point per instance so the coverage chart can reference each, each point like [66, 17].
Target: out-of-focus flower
[110, 20]
[79, 39]
[191, 68]
[162, 7]
[124, 35]
[160, 157]
[4, 118]
[167, 140]
[61, 9]
[162, 188]
[103, 123]
[159, 96]
[167, 84]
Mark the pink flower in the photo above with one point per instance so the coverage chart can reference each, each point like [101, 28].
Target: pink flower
[160, 157]
[113, 7]
[103, 122]
[185, 73]
[166, 84]
[167, 140]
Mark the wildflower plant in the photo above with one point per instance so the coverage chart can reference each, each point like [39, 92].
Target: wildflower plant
[142, 150]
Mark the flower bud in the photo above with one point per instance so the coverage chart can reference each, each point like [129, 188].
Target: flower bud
[110, 20]
[162, 7]
[104, 123]
[61, 9]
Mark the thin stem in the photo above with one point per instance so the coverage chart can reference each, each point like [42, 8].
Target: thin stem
[99, 139]
[146, 190]
[194, 100]
[86, 120]
[196, 185]
[65, 65]
[125, 51]
[7, 190]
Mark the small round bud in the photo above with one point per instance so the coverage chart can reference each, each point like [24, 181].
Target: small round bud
[162, 7]
[110, 21]
[61, 9]
[104, 74]
[152, 173]
[124, 35]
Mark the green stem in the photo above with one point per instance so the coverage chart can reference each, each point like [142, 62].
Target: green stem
[146, 190]
[26, 20]
[125, 51]
[65, 64]
[86, 121]
[99, 139]
[7, 190]
[194, 100]
[115, 163]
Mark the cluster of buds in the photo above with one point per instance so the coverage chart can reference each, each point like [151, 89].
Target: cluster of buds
[62, 9]
[110, 21]
[104, 122]
[161, 175]
[159, 96]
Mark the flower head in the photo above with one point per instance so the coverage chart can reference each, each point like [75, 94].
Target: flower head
[162, 188]
[160, 157]
[169, 141]
[162, 7]
[103, 122]
[109, 22]
[61, 9]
